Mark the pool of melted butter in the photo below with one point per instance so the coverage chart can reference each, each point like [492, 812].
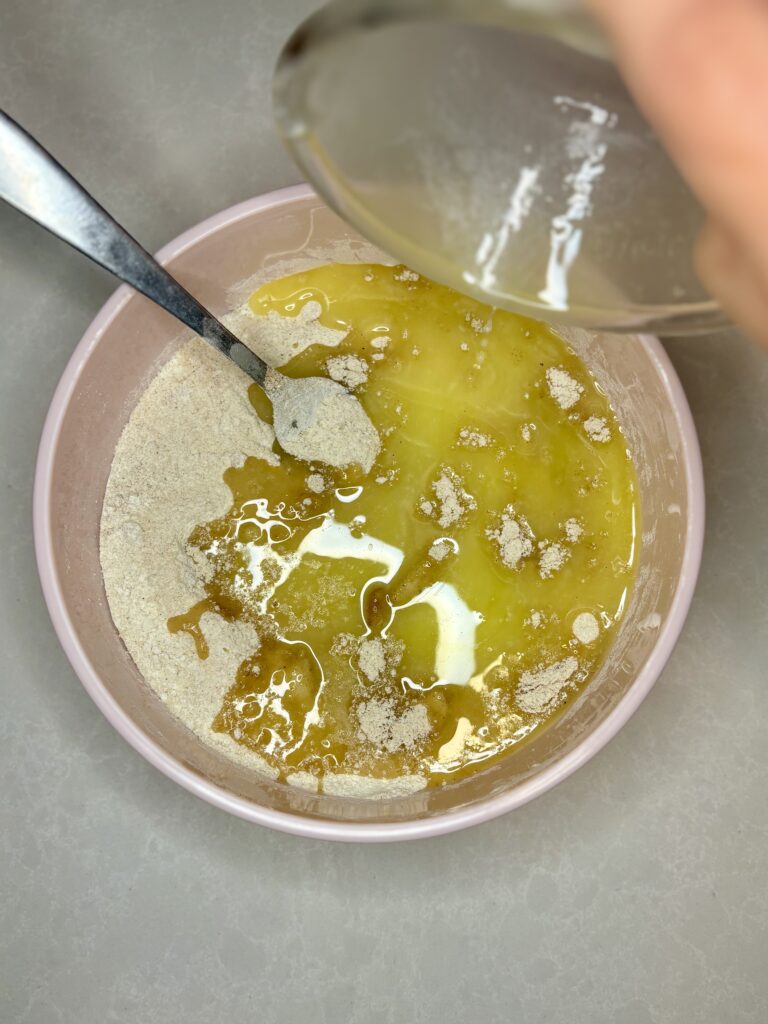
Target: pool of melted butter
[420, 619]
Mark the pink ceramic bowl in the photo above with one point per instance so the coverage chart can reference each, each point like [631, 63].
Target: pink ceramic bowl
[118, 354]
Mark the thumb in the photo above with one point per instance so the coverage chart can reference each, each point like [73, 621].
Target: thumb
[727, 271]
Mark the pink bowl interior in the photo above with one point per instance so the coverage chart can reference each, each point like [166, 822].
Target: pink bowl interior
[121, 351]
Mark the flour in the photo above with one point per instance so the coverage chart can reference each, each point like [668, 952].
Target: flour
[597, 429]
[344, 645]
[386, 730]
[552, 558]
[564, 389]
[169, 460]
[586, 628]
[453, 502]
[406, 275]
[441, 549]
[514, 538]
[387, 478]
[332, 426]
[304, 780]
[474, 438]
[378, 657]
[540, 689]
[478, 325]
[278, 339]
[349, 370]
[574, 531]
[369, 788]
[316, 420]
[316, 483]
[371, 659]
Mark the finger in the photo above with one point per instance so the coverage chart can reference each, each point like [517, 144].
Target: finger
[730, 275]
[699, 70]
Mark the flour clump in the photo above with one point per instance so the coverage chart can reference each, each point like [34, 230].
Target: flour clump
[316, 420]
[349, 370]
[453, 502]
[565, 390]
[382, 726]
[552, 558]
[586, 628]
[514, 538]
[539, 689]
[598, 430]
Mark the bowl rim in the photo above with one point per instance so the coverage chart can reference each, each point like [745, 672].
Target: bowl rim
[297, 824]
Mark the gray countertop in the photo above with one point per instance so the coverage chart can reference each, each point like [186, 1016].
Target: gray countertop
[635, 892]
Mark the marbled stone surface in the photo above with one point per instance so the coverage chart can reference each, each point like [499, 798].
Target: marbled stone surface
[635, 892]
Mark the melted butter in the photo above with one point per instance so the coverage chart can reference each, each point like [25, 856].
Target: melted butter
[388, 590]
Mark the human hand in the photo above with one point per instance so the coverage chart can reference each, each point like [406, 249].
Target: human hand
[699, 71]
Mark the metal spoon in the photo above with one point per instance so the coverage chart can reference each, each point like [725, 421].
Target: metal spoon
[35, 183]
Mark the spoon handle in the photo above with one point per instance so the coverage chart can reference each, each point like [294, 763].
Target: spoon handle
[35, 183]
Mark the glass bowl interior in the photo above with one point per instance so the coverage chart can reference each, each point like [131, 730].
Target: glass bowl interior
[492, 145]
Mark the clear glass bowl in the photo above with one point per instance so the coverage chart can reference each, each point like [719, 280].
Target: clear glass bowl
[492, 145]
